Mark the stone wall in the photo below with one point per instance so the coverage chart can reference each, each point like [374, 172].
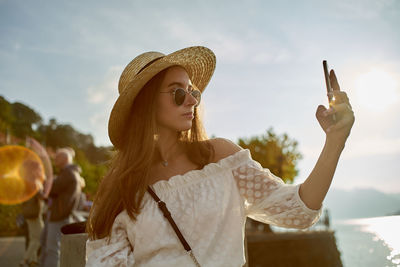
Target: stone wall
[309, 248]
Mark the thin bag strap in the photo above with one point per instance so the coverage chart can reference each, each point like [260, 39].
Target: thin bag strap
[167, 214]
[163, 207]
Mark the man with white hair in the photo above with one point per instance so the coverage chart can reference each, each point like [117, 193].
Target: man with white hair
[64, 194]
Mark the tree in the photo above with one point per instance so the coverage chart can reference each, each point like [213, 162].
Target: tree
[24, 120]
[6, 116]
[278, 153]
[56, 135]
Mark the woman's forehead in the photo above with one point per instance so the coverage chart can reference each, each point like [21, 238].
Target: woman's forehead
[176, 75]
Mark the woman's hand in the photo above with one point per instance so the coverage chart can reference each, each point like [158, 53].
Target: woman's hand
[339, 129]
[315, 187]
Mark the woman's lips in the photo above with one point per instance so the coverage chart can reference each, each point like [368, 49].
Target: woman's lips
[188, 115]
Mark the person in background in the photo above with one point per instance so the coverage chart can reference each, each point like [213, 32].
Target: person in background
[64, 196]
[326, 220]
[32, 212]
[80, 214]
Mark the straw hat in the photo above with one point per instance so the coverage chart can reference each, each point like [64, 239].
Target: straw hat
[198, 61]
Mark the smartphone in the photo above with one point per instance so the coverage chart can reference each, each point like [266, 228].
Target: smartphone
[329, 89]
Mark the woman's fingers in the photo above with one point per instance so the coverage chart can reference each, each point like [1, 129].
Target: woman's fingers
[344, 122]
[340, 97]
[334, 82]
[338, 108]
[324, 121]
[340, 112]
[345, 114]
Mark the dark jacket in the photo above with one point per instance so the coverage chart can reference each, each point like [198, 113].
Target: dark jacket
[31, 209]
[65, 193]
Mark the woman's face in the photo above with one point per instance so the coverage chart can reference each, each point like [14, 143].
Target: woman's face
[170, 116]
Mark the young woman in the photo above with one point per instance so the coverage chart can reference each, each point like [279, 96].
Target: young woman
[209, 186]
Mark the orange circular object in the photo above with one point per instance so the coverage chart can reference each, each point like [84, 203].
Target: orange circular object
[21, 174]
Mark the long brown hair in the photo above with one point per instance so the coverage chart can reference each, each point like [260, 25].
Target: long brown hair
[126, 181]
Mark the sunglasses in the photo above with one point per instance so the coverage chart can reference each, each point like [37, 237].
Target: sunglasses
[179, 95]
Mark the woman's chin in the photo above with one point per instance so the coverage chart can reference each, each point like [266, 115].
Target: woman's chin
[185, 127]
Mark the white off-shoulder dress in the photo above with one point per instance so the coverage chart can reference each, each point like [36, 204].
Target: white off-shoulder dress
[210, 207]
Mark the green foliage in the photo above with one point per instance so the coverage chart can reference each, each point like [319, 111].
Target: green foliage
[8, 215]
[6, 116]
[24, 118]
[24, 121]
[278, 153]
[21, 121]
[92, 173]
[56, 135]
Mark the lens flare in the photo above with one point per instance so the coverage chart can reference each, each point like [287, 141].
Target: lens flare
[377, 90]
[21, 174]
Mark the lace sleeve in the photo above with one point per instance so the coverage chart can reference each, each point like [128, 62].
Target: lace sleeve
[269, 200]
[113, 251]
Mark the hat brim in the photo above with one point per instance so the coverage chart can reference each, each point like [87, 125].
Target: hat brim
[198, 61]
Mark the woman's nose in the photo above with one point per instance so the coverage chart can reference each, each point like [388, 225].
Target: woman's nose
[190, 99]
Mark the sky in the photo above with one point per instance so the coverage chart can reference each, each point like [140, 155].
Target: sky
[64, 59]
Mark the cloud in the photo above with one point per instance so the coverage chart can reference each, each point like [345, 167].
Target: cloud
[361, 9]
[252, 47]
[106, 91]
[360, 146]
[370, 146]
[101, 97]
[17, 46]
[99, 122]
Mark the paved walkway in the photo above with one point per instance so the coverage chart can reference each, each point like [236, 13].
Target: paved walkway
[11, 251]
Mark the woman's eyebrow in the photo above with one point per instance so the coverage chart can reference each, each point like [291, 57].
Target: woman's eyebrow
[178, 84]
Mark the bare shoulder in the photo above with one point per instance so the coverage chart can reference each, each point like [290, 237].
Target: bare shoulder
[223, 148]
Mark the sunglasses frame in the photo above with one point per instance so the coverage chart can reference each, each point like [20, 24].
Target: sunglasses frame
[173, 92]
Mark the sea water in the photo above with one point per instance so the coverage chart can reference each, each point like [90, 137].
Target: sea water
[368, 242]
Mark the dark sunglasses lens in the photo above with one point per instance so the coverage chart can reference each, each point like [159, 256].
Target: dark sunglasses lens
[197, 94]
[180, 95]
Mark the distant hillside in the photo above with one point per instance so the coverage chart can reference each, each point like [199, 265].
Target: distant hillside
[396, 196]
[360, 203]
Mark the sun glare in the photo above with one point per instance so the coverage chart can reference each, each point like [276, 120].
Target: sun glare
[376, 90]
[386, 229]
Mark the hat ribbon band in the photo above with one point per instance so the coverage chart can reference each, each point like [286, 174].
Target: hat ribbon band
[148, 64]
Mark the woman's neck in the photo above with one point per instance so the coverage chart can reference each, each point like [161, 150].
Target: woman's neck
[168, 146]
